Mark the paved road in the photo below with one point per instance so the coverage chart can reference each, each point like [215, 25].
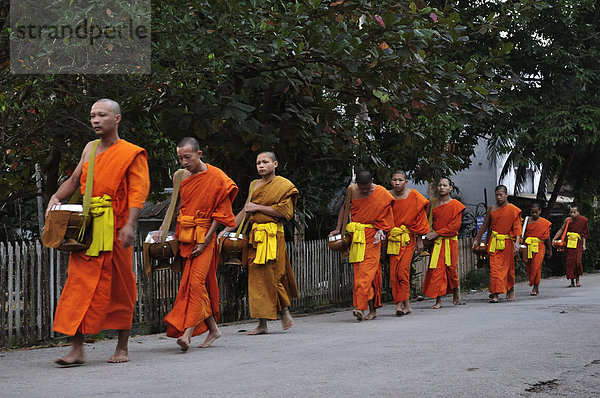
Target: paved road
[535, 347]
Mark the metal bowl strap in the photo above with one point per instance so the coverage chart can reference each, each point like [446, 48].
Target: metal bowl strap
[177, 177]
[89, 186]
[243, 227]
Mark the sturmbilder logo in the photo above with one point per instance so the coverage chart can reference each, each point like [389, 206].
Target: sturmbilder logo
[90, 37]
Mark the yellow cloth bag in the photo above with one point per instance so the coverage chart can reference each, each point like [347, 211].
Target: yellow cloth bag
[103, 225]
[533, 245]
[497, 242]
[572, 240]
[359, 241]
[399, 237]
[265, 236]
[437, 248]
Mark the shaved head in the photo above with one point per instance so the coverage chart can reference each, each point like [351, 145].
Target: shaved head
[364, 177]
[114, 105]
[501, 188]
[401, 172]
[189, 141]
[269, 154]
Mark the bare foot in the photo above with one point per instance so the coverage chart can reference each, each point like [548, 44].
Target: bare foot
[183, 343]
[286, 319]
[456, 297]
[358, 314]
[510, 295]
[493, 298]
[437, 305]
[258, 330]
[119, 356]
[370, 315]
[72, 359]
[578, 284]
[212, 336]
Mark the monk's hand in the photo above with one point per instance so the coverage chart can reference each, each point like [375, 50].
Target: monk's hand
[198, 249]
[126, 234]
[475, 243]
[251, 207]
[549, 253]
[334, 232]
[156, 236]
[53, 202]
[379, 236]
[583, 247]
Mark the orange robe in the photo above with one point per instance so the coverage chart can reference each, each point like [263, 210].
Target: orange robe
[376, 209]
[442, 279]
[206, 196]
[539, 229]
[100, 291]
[272, 285]
[506, 221]
[411, 212]
[573, 256]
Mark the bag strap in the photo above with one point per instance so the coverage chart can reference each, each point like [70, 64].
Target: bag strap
[177, 178]
[525, 222]
[430, 212]
[562, 238]
[243, 226]
[89, 186]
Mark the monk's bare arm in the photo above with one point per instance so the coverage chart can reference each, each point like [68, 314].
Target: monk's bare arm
[548, 244]
[238, 217]
[127, 232]
[268, 210]
[209, 234]
[69, 187]
[560, 231]
[344, 211]
[483, 228]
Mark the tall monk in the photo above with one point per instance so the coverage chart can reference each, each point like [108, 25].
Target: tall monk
[442, 274]
[504, 244]
[577, 233]
[271, 282]
[206, 195]
[370, 209]
[100, 291]
[410, 223]
[537, 240]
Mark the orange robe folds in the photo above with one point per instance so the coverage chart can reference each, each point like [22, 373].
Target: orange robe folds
[100, 291]
[539, 229]
[443, 278]
[271, 285]
[376, 209]
[412, 213]
[573, 256]
[205, 197]
[505, 221]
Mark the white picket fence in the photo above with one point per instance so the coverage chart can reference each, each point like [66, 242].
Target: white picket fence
[32, 277]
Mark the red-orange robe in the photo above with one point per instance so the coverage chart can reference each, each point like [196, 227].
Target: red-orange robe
[100, 291]
[376, 209]
[573, 256]
[206, 195]
[443, 279]
[537, 229]
[272, 285]
[506, 221]
[411, 212]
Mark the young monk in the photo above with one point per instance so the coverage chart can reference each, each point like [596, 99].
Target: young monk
[537, 240]
[577, 233]
[442, 274]
[271, 282]
[410, 223]
[100, 291]
[206, 195]
[370, 209]
[505, 220]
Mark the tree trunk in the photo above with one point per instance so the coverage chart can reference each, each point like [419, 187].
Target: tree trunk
[560, 180]
[541, 189]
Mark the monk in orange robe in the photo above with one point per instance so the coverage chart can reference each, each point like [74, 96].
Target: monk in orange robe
[537, 241]
[577, 234]
[371, 217]
[100, 291]
[271, 282]
[206, 195]
[410, 223]
[442, 273]
[505, 220]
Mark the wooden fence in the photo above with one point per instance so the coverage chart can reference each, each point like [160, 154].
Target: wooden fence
[32, 277]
